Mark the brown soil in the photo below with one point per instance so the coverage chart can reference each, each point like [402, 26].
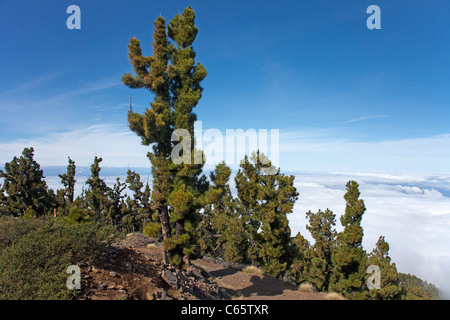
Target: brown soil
[246, 286]
[132, 271]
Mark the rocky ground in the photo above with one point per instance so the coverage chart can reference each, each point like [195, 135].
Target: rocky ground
[133, 269]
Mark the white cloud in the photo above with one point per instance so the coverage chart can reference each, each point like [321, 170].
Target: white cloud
[39, 106]
[364, 118]
[31, 84]
[325, 151]
[408, 210]
[117, 147]
[316, 150]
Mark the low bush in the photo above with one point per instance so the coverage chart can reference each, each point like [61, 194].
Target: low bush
[35, 255]
[334, 296]
[253, 270]
[306, 287]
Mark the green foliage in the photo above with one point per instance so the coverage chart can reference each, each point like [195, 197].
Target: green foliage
[78, 212]
[35, 255]
[68, 181]
[299, 253]
[266, 201]
[107, 205]
[25, 192]
[136, 211]
[176, 260]
[317, 269]
[116, 206]
[222, 232]
[337, 262]
[12, 229]
[152, 229]
[96, 194]
[348, 258]
[414, 288]
[174, 78]
[389, 286]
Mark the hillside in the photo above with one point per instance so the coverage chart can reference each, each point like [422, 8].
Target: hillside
[133, 269]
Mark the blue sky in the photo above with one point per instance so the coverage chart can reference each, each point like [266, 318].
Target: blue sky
[344, 97]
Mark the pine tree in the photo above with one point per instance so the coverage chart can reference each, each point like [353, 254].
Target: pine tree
[140, 213]
[3, 201]
[78, 212]
[267, 199]
[349, 259]
[300, 248]
[25, 192]
[65, 197]
[96, 194]
[174, 78]
[389, 286]
[414, 288]
[116, 205]
[318, 257]
[222, 226]
[248, 181]
[68, 181]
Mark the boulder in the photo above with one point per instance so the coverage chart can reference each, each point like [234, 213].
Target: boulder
[170, 278]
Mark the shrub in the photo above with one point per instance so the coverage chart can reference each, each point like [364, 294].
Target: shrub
[35, 258]
[253, 270]
[152, 229]
[334, 296]
[12, 229]
[306, 287]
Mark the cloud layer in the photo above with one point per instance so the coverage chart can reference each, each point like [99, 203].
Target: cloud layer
[411, 211]
[118, 147]
[319, 150]
[324, 151]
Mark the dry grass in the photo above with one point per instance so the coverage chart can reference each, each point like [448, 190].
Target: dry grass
[152, 246]
[334, 296]
[253, 270]
[306, 287]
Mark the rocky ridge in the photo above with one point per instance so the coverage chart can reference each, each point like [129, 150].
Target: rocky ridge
[130, 271]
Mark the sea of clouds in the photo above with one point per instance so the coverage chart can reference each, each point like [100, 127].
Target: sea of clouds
[412, 211]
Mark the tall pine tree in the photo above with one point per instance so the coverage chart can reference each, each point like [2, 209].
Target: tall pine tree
[318, 257]
[65, 197]
[68, 181]
[139, 213]
[300, 247]
[174, 78]
[349, 259]
[222, 225]
[116, 204]
[96, 194]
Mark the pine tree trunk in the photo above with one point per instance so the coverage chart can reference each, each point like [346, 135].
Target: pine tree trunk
[179, 231]
[165, 228]
[71, 196]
